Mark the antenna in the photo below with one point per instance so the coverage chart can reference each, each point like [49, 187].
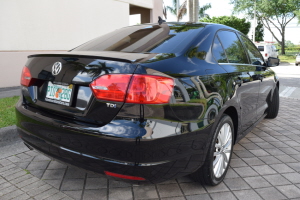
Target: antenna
[160, 20]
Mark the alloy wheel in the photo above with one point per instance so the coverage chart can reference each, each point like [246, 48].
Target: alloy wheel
[222, 150]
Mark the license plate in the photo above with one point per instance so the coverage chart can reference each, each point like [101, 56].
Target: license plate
[60, 94]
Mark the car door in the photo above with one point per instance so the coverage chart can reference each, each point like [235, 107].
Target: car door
[243, 73]
[264, 75]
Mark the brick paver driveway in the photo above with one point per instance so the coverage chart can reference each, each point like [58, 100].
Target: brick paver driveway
[265, 165]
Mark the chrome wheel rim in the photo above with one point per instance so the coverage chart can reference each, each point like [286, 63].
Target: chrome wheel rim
[222, 150]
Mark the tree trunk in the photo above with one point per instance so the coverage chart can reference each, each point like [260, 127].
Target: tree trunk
[177, 10]
[283, 41]
[190, 10]
[195, 10]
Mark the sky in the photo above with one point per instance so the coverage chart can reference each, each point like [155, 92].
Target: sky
[223, 7]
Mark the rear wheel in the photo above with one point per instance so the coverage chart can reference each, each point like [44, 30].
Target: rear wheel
[296, 64]
[274, 105]
[219, 154]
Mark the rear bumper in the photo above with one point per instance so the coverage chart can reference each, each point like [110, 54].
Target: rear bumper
[156, 160]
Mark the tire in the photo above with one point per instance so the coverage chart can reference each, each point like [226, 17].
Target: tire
[296, 64]
[274, 105]
[209, 173]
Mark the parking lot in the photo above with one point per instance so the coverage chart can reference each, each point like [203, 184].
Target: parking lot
[265, 165]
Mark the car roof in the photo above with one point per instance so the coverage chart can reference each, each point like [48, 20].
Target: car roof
[193, 23]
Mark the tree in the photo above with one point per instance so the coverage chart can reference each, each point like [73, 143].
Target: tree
[277, 13]
[232, 21]
[202, 10]
[259, 31]
[183, 9]
[289, 43]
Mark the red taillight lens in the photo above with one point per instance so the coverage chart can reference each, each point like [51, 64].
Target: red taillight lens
[266, 54]
[148, 89]
[111, 87]
[26, 78]
[124, 176]
[143, 89]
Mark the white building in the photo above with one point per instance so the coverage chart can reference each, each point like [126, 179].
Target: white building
[32, 26]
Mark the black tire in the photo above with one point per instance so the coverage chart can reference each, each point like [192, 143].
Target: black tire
[296, 64]
[273, 105]
[206, 174]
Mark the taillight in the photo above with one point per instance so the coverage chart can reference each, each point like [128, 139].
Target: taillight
[136, 178]
[26, 79]
[148, 89]
[142, 89]
[266, 55]
[111, 87]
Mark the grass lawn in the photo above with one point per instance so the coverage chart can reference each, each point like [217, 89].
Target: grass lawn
[7, 111]
[287, 58]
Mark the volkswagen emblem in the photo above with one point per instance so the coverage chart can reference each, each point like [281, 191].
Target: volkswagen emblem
[56, 68]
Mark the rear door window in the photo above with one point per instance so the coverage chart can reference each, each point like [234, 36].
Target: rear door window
[219, 52]
[233, 47]
[254, 55]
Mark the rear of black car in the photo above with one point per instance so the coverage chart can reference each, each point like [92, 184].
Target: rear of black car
[94, 109]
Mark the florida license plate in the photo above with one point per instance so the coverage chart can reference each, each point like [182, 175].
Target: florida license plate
[60, 94]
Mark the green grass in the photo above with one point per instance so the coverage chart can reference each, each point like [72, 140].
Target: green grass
[290, 56]
[7, 111]
[287, 58]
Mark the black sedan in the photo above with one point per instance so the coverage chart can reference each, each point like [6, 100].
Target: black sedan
[148, 103]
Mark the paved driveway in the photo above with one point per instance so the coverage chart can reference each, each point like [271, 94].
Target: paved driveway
[265, 165]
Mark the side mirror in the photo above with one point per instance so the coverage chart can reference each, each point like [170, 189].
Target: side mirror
[272, 62]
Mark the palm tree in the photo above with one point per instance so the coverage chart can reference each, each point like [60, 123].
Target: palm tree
[202, 10]
[183, 10]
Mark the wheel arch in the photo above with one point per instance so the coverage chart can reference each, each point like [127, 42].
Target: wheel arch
[232, 113]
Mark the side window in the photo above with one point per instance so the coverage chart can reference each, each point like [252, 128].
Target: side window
[233, 47]
[254, 54]
[219, 52]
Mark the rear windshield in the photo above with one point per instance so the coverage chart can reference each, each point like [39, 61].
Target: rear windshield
[145, 38]
[261, 48]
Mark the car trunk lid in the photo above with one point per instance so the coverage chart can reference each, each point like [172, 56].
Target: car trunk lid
[62, 83]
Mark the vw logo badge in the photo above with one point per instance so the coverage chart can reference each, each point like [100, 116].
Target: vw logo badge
[56, 68]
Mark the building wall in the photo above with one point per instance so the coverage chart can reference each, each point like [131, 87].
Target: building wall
[57, 24]
[33, 26]
[62, 24]
[142, 3]
[157, 10]
[145, 13]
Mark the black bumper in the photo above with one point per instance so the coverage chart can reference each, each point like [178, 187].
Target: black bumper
[156, 160]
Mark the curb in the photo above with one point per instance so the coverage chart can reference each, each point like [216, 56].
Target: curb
[8, 135]
[2, 89]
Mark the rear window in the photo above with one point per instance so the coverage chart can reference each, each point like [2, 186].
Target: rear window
[261, 48]
[145, 38]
